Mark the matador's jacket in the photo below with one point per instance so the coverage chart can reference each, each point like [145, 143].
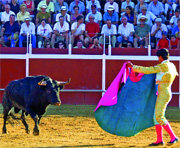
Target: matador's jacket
[166, 73]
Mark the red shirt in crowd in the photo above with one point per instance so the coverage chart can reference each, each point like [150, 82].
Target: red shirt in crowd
[163, 43]
[92, 28]
[174, 44]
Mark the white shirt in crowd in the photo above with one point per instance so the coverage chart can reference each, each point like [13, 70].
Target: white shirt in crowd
[62, 29]
[109, 31]
[115, 5]
[89, 3]
[159, 33]
[97, 17]
[126, 30]
[79, 29]
[28, 29]
[174, 19]
[66, 17]
[45, 31]
[5, 16]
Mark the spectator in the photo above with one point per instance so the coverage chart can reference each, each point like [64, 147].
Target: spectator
[14, 6]
[108, 29]
[142, 32]
[79, 44]
[4, 2]
[49, 4]
[111, 15]
[176, 30]
[149, 15]
[75, 14]
[44, 32]
[58, 4]
[43, 15]
[139, 6]
[156, 31]
[125, 4]
[47, 44]
[163, 42]
[174, 43]
[61, 45]
[27, 27]
[5, 15]
[92, 30]
[10, 31]
[60, 32]
[30, 7]
[111, 3]
[79, 4]
[64, 14]
[130, 15]
[157, 9]
[97, 15]
[95, 44]
[125, 31]
[78, 29]
[170, 5]
[22, 14]
[91, 3]
[173, 20]
[129, 44]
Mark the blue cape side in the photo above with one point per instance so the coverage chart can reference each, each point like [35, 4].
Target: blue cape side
[134, 110]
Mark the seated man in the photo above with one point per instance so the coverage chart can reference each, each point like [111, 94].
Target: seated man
[27, 27]
[111, 15]
[156, 31]
[111, 3]
[10, 31]
[58, 4]
[60, 32]
[78, 29]
[5, 15]
[79, 44]
[43, 15]
[125, 31]
[108, 29]
[92, 30]
[142, 32]
[77, 3]
[49, 4]
[44, 32]
[64, 14]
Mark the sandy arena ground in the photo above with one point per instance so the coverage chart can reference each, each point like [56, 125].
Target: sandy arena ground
[67, 132]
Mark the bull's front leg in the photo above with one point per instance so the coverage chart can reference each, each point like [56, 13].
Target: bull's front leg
[23, 119]
[35, 118]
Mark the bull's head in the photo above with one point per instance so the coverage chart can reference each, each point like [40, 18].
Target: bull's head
[51, 89]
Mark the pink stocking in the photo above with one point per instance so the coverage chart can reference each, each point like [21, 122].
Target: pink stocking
[159, 133]
[167, 127]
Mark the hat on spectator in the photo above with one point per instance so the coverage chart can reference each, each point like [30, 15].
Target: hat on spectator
[164, 33]
[27, 18]
[143, 7]
[143, 17]
[44, 6]
[111, 8]
[23, 5]
[158, 20]
[63, 8]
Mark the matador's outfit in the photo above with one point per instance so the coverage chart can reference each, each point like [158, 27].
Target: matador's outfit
[166, 73]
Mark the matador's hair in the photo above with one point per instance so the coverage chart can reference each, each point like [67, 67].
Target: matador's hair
[164, 53]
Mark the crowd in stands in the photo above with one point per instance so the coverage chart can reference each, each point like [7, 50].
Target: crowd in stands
[90, 23]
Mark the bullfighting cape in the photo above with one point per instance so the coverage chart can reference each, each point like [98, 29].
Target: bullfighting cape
[126, 110]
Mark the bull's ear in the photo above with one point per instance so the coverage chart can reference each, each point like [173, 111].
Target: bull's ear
[63, 83]
[42, 83]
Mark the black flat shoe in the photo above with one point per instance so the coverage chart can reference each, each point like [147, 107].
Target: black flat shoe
[156, 144]
[174, 141]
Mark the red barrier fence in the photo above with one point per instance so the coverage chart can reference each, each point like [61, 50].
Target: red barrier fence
[84, 67]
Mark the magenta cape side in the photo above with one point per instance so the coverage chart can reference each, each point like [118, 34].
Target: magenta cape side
[110, 97]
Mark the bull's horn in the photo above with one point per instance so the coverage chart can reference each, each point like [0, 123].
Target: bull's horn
[42, 83]
[64, 83]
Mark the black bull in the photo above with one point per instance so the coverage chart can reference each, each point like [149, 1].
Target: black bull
[31, 95]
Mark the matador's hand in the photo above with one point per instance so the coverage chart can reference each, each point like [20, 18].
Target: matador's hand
[129, 64]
